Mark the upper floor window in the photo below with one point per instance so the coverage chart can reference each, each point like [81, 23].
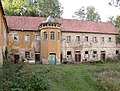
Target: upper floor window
[86, 38]
[94, 39]
[27, 38]
[15, 37]
[52, 35]
[68, 38]
[59, 36]
[27, 55]
[109, 39]
[37, 37]
[45, 35]
[78, 38]
[102, 39]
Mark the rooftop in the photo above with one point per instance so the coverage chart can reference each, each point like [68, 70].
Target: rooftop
[72, 25]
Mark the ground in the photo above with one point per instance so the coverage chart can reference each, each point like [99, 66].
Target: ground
[81, 77]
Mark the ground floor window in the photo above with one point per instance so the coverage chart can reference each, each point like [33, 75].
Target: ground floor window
[27, 55]
[68, 54]
[117, 52]
[94, 54]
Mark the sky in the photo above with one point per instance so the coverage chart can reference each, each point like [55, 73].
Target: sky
[105, 11]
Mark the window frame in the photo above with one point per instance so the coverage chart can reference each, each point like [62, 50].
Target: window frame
[109, 39]
[45, 35]
[52, 35]
[94, 39]
[86, 39]
[68, 38]
[27, 38]
[27, 54]
[78, 38]
[36, 37]
[16, 37]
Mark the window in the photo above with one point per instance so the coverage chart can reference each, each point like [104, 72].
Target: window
[15, 37]
[45, 35]
[102, 39]
[69, 54]
[37, 37]
[27, 55]
[86, 52]
[86, 38]
[27, 37]
[78, 38]
[117, 51]
[68, 38]
[94, 54]
[59, 36]
[109, 39]
[94, 39]
[52, 35]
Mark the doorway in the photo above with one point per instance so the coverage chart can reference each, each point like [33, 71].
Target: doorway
[52, 58]
[77, 56]
[16, 58]
[37, 57]
[103, 55]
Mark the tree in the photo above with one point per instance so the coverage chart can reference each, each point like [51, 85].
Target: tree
[115, 3]
[117, 22]
[32, 7]
[88, 13]
[80, 14]
[12, 7]
[92, 14]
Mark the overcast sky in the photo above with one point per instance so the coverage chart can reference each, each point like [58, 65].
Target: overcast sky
[70, 6]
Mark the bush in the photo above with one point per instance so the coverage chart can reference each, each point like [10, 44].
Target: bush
[14, 78]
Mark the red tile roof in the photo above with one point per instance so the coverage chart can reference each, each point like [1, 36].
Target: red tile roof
[32, 23]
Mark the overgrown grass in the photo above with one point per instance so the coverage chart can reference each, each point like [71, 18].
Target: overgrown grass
[82, 77]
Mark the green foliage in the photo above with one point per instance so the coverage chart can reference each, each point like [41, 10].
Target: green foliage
[14, 78]
[117, 22]
[32, 8]
[88, 13]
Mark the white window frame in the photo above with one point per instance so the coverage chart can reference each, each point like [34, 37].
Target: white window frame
[27, 38]
[37, 37]
[68, 38]
[94, 39]
[27, 55]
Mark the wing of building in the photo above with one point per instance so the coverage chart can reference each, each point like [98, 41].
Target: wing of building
[3, 33]
[49, 40]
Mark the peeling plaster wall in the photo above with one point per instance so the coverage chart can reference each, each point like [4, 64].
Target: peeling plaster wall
[90, 46]
[21, 46]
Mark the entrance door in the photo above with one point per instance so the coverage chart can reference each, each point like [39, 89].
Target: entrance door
[77, 56]
[16, 58]
[103, 55]
[52, 58]
[37, 57]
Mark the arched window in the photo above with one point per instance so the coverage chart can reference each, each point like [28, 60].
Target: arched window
[52, 35]
[59, 36]
[45, 35]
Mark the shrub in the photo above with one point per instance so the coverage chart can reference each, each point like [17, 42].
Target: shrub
[14, 78]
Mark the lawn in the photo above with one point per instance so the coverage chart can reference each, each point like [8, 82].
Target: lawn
[81, 77]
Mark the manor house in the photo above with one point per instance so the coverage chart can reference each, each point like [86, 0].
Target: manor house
[56, 40]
